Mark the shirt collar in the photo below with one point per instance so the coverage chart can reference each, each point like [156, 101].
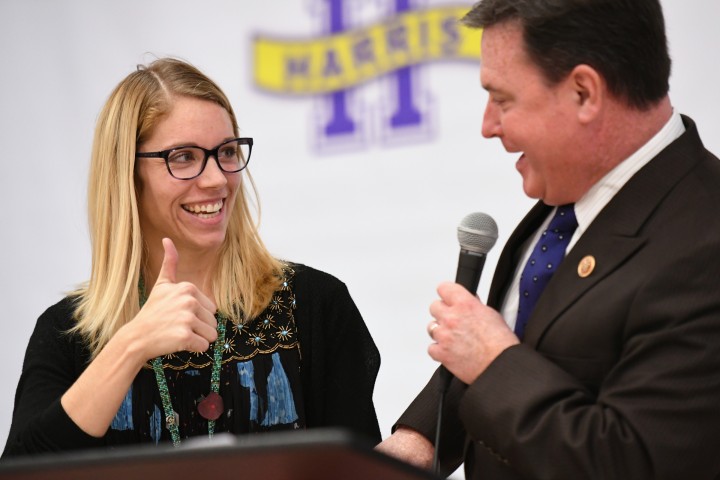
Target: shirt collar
[600, 194]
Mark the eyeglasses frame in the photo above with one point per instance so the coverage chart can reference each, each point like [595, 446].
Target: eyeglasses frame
[164, 154]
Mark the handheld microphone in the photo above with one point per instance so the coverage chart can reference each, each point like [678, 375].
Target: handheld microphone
[477, 233]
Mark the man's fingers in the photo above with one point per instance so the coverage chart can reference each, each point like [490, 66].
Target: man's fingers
[452, 293]
[431, 329]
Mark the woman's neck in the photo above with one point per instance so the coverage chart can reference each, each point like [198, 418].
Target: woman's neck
[193, 266]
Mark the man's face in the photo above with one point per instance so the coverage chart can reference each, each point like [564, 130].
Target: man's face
[533, 118]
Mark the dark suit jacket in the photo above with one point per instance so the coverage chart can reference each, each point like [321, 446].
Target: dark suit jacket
[618, 376]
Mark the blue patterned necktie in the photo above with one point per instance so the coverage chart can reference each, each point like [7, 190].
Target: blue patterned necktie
[547, 254]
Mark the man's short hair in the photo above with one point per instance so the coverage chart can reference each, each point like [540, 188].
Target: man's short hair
[624, 40]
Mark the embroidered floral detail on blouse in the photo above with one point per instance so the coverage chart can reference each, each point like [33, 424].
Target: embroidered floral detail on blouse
[273, 329]
[285, 333]
[276, 304]
[256, 339]
[268, 322]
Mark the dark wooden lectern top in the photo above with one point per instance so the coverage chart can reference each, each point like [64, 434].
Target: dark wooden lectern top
[306, 455]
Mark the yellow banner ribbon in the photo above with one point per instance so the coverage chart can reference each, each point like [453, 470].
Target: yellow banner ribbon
[340, 61]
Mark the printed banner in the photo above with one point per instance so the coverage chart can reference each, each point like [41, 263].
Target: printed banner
[343, 60]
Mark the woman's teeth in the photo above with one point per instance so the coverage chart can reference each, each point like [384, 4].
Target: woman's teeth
[204, 211]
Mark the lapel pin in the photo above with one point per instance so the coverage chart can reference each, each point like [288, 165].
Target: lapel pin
[586, 266]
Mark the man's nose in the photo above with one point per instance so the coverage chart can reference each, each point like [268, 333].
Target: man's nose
[491, 126]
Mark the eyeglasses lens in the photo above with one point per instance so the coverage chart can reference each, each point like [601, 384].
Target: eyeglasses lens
[187, 162]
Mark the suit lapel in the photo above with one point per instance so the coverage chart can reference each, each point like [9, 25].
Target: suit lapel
[566, 286]
[613, 237]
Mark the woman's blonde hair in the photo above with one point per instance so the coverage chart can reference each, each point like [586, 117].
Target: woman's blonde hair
[246, 275]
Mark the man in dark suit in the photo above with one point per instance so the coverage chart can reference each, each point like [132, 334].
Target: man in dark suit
[614, 373]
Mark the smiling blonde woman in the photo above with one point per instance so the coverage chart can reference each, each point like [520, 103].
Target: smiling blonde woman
[188, 326]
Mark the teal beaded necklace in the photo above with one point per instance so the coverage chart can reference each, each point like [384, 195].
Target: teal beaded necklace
[211, 407]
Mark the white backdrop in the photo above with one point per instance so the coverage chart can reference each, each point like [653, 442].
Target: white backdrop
[382, 218]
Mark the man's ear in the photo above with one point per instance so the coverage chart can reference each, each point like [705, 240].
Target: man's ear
[589, 92]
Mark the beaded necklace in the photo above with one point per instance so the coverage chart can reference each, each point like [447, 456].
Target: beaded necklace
[211, 407]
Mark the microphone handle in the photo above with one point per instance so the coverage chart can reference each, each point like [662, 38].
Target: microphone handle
[470, 265]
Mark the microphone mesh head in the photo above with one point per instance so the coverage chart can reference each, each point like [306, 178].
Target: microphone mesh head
[477, 233]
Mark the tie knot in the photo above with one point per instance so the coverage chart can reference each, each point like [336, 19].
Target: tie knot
[564, 220]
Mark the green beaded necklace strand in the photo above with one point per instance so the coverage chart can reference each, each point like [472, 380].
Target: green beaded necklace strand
[170, 420]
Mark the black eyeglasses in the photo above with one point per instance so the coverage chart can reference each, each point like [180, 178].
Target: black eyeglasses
[185, 163]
